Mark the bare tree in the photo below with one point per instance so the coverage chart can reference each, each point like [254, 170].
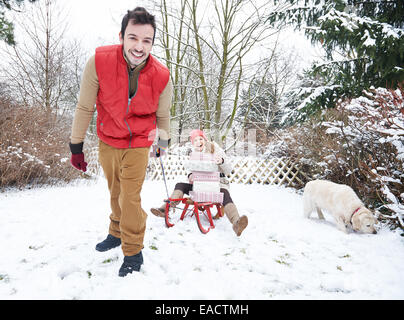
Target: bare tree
[236, 28]
[262, 106]
[207, 47]
[175, 41]
[44, 69]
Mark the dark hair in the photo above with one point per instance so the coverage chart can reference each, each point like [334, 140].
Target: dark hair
[139, 15]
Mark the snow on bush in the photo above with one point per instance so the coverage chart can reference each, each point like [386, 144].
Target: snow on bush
[33, 147]
[373, 132]
[359, 143]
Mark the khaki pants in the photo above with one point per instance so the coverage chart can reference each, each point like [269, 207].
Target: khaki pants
[125, 170]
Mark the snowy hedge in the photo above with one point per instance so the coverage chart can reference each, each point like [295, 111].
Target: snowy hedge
[359, 143]
[33, 147]
[373, 133]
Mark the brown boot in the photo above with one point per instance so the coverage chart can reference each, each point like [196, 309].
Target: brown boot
[161, 212]
[239, 223]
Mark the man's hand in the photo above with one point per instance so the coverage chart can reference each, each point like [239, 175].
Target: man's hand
[77, 158]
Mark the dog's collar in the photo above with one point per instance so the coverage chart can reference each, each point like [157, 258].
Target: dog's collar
[354, 213]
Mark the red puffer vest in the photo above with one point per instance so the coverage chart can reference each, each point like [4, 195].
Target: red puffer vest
[124, 122]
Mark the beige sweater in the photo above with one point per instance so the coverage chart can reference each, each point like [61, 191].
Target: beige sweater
[88, 95]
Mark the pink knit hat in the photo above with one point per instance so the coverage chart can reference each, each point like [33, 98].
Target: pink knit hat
[197, 133]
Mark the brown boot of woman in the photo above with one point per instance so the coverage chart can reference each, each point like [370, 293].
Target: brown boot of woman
[161, 212]
[239, 223]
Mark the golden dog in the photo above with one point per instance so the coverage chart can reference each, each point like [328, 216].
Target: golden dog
[340, 201]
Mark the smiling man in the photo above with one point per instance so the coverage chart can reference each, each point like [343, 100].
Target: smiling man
[132, 92]
[137, 43]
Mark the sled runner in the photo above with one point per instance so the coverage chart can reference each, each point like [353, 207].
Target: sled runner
[196, 209]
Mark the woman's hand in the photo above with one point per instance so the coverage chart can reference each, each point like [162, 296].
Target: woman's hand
[218, 159]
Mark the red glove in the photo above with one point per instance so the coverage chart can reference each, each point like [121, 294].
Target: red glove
[77, 159]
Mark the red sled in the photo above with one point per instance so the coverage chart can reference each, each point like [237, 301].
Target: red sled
[197, 209]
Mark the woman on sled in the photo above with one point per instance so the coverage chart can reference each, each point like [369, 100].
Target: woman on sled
[200, 143]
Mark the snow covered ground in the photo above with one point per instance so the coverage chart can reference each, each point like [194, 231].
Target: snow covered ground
[48, 235]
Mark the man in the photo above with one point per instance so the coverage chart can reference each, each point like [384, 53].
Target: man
[132, 92]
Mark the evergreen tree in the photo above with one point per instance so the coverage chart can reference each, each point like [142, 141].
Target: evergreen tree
[7, 27]
[363, 41]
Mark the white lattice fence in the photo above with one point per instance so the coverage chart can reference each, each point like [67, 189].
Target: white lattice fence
[246, 170]
[174, 168]
[269, 171]
[93, 166]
